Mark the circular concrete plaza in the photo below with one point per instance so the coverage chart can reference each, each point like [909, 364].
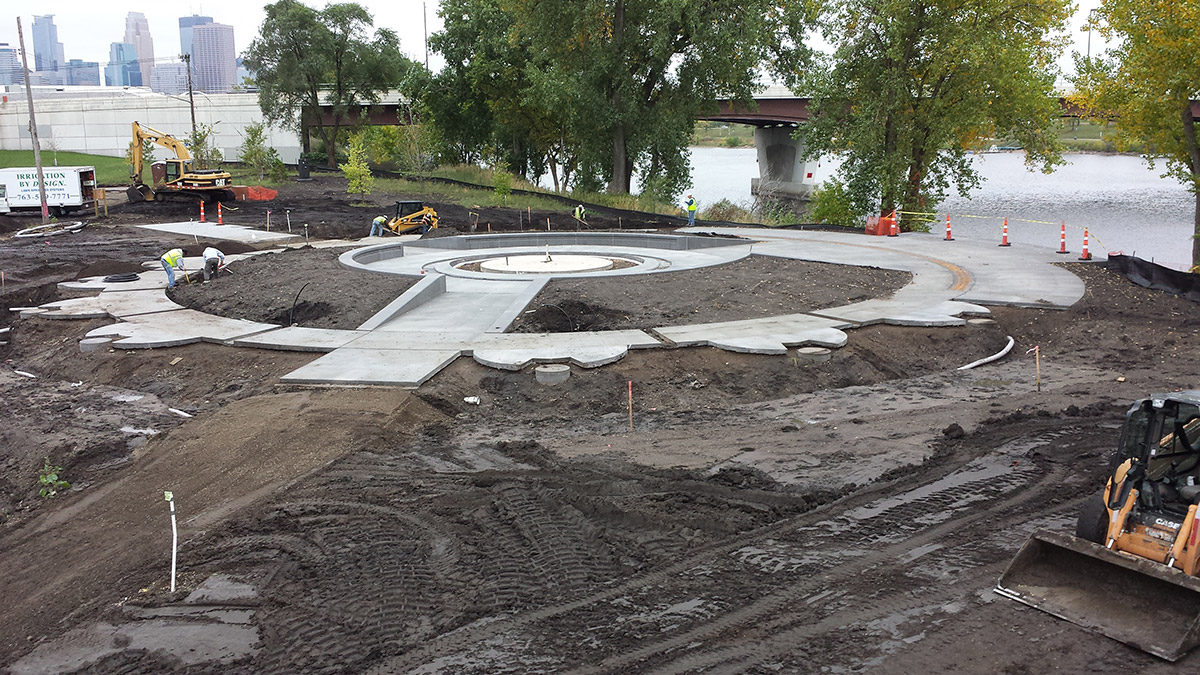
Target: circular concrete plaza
[501, 256]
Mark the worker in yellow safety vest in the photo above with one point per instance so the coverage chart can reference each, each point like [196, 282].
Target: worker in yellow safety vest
[377, 226]
[691, 210]
[172, 260]
[580, 214]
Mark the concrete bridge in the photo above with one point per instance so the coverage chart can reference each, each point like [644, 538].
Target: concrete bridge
[781, 171]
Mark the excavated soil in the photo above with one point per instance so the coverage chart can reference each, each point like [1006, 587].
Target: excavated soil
[764, 514]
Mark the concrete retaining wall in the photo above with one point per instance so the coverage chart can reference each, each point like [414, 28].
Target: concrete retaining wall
[670, 242]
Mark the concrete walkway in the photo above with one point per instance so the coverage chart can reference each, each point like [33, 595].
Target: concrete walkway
[451, 313]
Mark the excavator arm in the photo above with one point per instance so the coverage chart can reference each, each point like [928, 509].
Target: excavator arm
[145, 133]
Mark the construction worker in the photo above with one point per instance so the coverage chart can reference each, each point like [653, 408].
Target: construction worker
[214, 260]
[377, 226]
[171, 261]
[691, 210]
[580, 214]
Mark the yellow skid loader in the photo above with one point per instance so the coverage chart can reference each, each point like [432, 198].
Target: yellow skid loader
[413, 216]
[1130, 571]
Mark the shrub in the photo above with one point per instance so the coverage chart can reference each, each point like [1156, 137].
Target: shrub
[50, 478]
[355, 168]
[833, 204]
[728, 211]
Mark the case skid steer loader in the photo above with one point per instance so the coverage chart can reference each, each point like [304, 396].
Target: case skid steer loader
[1131, 570]
[413, 216]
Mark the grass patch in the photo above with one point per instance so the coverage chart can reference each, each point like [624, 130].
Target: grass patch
[484, 193]
[109, 170]
[723, 135]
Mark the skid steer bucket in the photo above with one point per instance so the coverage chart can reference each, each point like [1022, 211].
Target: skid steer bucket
[1139, 602]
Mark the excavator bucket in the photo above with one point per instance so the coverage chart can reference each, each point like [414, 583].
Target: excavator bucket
[1137, 601]
[139, 193]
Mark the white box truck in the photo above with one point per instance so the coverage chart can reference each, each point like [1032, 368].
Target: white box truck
[68, 188]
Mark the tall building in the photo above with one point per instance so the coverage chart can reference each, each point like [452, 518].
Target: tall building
[169, 78]
[213, 57]
[83, 72]
[10, 65]
[47, 50]
[122, 69]
[137, 33]
[186, 24]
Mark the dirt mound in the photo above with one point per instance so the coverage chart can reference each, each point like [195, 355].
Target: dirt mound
[9, 224]
[305, 286]
[751, 288]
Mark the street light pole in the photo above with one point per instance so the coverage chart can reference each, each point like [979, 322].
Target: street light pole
[187, 60]
[37, 147]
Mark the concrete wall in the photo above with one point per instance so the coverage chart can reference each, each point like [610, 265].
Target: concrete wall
[781, 171]
[96, 120]
[671, 242]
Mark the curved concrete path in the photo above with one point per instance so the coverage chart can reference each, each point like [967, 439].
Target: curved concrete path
[445, 316]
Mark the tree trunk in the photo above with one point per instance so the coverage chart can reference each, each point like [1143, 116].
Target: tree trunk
[619, 182]
[305, 140]
[331, 143]
[1189, 136]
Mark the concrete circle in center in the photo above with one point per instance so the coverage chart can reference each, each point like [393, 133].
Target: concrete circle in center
[543, 263]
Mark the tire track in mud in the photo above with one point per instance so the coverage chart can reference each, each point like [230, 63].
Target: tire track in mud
[886, 529]
[877, 522]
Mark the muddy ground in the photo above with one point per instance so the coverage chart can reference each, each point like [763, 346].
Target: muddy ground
[764, 515]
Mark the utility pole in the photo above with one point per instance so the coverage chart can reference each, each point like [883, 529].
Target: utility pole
[425, 21]
[187, 61]
[37, 148]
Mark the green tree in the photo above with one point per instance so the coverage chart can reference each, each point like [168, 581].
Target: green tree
[255, 152]
[1146, 83]
[355, 167]
[628, 77]
[205, 153]
[480, 99]
[304, 59]
[912, 84]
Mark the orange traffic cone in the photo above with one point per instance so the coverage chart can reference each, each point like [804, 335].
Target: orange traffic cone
[948, 237]
[1084, 255]
[202, 210]
[1062, 239]
[1004, 235]
[220, 217]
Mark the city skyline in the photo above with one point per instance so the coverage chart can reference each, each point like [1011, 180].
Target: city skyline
[87, 31]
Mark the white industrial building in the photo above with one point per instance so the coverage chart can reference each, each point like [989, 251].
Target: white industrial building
[97, 120]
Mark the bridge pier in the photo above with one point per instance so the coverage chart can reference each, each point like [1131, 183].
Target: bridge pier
[782, 174]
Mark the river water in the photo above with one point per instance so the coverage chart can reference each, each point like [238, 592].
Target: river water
[1126, 206]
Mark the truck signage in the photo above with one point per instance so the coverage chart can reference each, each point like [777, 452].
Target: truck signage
[66, 186]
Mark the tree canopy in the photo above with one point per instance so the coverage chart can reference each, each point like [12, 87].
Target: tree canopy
[1145, 85]
[912, 84]
[303, 57]
[607, 87]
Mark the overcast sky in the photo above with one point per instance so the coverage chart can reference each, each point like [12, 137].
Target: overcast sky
[87, 27]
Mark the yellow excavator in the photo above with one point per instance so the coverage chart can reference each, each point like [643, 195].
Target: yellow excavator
[413, 216]
[1130, 571]
[174, 178]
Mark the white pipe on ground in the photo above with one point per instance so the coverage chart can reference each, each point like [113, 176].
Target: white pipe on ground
[998, 355]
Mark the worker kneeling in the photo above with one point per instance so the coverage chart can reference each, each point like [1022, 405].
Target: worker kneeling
[214, 260]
